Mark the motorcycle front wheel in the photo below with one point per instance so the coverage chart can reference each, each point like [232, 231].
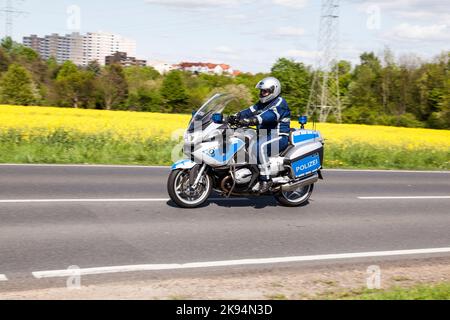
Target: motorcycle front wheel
[295, 198]
[183, 194]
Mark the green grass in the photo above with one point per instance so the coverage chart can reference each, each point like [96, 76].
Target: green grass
[66, 148]
[277, 296]
[372, 157]
[419, 292]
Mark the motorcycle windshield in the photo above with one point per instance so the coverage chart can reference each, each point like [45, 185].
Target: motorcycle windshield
[203, 117]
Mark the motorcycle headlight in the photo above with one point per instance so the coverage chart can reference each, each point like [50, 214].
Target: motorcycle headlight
[212, 135]
[193, 137]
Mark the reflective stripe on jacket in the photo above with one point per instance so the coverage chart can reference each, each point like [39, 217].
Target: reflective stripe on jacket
[274, 115]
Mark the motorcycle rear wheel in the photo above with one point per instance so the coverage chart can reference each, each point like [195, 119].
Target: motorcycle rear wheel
[295, 198]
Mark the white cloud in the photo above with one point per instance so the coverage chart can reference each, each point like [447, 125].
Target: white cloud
[218, 3]
[435, 10]
[192, 3]
[226, 52]
[299, 4]
[289, 32]
[224, 49]
[406, 31]
[306, 54]
[236, 17]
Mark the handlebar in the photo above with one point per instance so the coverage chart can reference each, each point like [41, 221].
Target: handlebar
[234, 122]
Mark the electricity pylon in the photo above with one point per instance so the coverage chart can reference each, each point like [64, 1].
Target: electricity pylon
[325, 95]
[10, 12]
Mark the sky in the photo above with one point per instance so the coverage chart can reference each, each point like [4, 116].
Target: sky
[250, 35]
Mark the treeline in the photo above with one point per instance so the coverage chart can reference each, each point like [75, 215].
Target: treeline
[379, 90]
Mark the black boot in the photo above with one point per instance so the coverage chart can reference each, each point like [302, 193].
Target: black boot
[265, 186]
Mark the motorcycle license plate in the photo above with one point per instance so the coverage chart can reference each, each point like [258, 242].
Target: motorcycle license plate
[306, 165]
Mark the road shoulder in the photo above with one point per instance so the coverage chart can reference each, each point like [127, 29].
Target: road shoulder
[290, 282]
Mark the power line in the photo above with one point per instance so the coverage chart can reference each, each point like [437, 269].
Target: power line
[10, 12]
[325, 94]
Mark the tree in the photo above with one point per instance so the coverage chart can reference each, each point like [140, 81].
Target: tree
[404, 91]
[143, 86]
[364, 89]
[74, 86]
[145, 100]
[137, 77]
[7, 43]
[25, 54]
[53, 68]
[295, 80]
[4, 60]
[250, 81]
[433, 90]
[140, 78]
[213, 80]
[18, 51]
[174, 93]
[112, 86]
[16, 86]
[94, 67]
[345, 77]
[388, 77]
[242, 95]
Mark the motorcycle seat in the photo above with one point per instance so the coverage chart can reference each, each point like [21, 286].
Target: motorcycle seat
[285, 152]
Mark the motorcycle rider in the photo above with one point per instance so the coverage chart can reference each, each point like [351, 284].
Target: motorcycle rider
[272, 116]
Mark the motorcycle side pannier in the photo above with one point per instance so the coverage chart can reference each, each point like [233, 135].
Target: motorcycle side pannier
[306, 159]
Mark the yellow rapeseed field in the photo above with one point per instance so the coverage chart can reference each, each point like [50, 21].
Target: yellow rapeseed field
[121, 124]
[132, 125]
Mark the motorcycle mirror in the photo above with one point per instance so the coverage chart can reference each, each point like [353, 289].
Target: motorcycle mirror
[217, 118]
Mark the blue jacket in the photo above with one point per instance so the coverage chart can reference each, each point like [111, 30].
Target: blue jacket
[274, 115]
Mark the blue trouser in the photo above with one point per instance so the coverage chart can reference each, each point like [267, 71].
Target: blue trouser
[267, 147]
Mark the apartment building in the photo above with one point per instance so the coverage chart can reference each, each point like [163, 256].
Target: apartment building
[52, 45]
[161, 66]
[99, 45]
[209, 68]
[124, 60]
[81, 49]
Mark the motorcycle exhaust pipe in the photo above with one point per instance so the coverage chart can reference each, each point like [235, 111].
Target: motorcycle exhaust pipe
[300, 184]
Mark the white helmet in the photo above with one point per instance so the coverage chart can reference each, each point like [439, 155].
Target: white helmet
[270, 89]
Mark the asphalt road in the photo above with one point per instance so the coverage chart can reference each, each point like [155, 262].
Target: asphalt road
[53, 235]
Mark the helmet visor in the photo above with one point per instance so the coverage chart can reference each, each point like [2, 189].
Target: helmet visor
[266, 92]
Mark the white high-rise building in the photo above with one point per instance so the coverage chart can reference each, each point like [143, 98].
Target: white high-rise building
[81, 49]
[99, 45]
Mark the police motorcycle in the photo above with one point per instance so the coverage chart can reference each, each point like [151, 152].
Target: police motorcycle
[217, 157]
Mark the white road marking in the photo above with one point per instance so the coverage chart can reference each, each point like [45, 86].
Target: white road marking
[212, 199]
[406, 198]
[195, 265]
[83, 166]
[383, 171]
[80, 200]
[168, 167]
[3, 277]
[104, 200]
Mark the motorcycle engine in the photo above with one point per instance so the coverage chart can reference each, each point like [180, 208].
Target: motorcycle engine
[243, 176]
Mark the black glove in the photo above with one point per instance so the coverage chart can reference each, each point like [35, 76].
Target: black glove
[249, 122]
[233, 119]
